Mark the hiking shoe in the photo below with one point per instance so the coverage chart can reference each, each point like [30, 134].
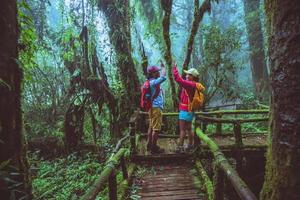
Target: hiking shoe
[190, 149]
[179, 149]
[157, 150]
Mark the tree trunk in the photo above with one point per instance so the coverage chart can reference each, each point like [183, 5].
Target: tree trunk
[260, 75]
[282, 179]
[12, 141]
[142, 54]
[118, 19]
[167, 8]
[198, 16]
[74, 121]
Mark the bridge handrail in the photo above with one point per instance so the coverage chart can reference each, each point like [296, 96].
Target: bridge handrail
[239, 185]
[116, 160]
[218, 112]
[232, 120]
[105, 176]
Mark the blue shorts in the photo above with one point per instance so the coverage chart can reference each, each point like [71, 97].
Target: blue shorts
[186, 116]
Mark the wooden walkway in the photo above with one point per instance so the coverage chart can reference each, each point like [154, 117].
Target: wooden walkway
[223, 141]
[167, 182]
[182, 176]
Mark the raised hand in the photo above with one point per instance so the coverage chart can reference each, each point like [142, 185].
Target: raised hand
[174, 64]
[163, 69]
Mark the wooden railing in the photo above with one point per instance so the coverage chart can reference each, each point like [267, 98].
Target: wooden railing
[117, 160]
[108, 175]
[216, 117]
[222, 169]
[203, 119]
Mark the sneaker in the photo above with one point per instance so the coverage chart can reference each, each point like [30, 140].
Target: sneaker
[190, 149]
[157, 150]
[179, 149]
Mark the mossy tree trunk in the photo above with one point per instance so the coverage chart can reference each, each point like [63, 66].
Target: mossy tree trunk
[198, 16]
[167, 10]
[259, 70]
[12, 141]
[282, 179]
[118, 19]
[142, 52]
[73, 125]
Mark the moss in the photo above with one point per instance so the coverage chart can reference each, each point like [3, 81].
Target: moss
[124, 185]
[198, 16]
[167, 7]
[208, 186]
[270, 10]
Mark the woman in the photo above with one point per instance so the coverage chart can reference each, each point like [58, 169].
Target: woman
[186, 116]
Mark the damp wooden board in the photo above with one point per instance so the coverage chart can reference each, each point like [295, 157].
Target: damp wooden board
[169, 182]
[170, 144]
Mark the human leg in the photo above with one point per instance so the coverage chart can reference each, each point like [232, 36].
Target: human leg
[189, 132]
[156, 128]
[180, 148]
[149, 139]
[182, 129]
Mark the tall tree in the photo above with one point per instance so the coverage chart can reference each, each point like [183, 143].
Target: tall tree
[282, 179]
[167, 8]
[12, 144]
[118, 19]
[260, 75]
[198, 16]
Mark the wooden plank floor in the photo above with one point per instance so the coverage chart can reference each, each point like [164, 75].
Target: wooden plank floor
[170, 144]
[169, 182]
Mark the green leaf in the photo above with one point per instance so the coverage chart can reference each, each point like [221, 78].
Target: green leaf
[4, 164]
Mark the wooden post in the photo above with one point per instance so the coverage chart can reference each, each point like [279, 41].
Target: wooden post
[231, 175]
[207, 183]
[219, 125]
[112, 186]
[204, 126]
[197, 141]
[124, 168]
[132, 137]
[218, 182]
[239, 146]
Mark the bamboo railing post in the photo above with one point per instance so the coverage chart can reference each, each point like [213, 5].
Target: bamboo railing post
[124, 168]
[132, 137]
[112, 186]
[197, 140]
[204, 126]
[239, 146]
[231, 175]
[219, 125]
[218, 182]
[138, 121]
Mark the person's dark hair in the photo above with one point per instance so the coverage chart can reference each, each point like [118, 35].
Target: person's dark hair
[196, 79]
[150, 75]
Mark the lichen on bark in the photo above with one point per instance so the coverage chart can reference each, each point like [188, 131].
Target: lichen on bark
[283, 159]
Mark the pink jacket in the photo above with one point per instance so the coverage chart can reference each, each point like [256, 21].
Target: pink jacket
[188, 89]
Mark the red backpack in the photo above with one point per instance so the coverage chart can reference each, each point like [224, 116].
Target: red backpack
[146, 96]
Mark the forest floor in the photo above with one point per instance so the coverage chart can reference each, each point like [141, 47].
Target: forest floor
[66, 177]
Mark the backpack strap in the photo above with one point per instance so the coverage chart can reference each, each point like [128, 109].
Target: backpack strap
[157, 90]
[186, 93]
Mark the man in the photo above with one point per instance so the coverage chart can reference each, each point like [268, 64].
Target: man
[155, 112]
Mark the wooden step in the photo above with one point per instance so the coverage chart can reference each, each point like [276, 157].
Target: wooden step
[169, 182]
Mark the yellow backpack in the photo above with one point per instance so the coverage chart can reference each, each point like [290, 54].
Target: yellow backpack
[198, 99]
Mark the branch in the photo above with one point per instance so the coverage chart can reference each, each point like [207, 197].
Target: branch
[198, 16]
[167, 7]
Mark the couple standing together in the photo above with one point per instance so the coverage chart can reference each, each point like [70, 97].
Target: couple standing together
[189, 85]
